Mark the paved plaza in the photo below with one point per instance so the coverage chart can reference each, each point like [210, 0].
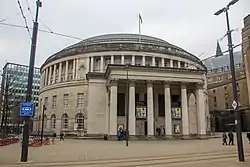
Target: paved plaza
[147, 153]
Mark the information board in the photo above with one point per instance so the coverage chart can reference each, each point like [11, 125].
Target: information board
[27, 109]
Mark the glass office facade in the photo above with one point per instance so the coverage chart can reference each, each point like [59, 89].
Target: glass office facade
[14, 88]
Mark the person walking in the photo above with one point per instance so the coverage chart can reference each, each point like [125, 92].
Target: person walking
[53, 138]
[61, 136]
[224, 138]
[248, 137]
[231, 138]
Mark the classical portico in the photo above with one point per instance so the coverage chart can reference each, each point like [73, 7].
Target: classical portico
[153, 87]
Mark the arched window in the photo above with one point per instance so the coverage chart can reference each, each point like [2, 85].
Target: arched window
[53, 121]
[65, 121]
[80, 121]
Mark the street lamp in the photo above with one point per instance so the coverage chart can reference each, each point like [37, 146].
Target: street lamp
[235, 93]
[127, 105]
[44, 108]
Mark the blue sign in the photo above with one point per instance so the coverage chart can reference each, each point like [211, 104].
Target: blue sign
[27, 109]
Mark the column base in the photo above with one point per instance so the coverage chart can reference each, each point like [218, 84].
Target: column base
[112, 137]
[150, 137]
[133, 138]
[202, 137]
[169, 137]
[187, 137]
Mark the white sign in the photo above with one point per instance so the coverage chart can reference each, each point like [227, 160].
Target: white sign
[234, 104]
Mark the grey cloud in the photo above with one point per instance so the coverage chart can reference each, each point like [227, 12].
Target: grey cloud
[188, 24]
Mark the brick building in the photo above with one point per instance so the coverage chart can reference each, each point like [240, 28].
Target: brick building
[220, 86]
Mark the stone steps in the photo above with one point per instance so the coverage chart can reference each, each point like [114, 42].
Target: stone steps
[146, 161]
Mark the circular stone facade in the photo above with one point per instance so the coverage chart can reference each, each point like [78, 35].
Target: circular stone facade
[71, 77]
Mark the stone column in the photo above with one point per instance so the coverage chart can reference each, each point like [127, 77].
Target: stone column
[74, 68]
[101, 64]
[184, 106]
[50, 74]
[92, 64]
[66, 70]
[77, 68]
[162, 62]
[168, 113]
[143, 60]
[54, 74]
[87, 65]
[132, 108]
[133, 60]
[42, 79]
[179, 64]
[113, 109]
[112, 59]
[150, 107]
[60, 73]
[200, 103]
[46, 77]
[122, 59]
[153, 61]
[171, 63]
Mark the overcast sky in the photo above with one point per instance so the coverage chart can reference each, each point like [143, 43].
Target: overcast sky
[189, 24]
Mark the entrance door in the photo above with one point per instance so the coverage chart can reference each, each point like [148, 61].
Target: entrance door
[146, 128]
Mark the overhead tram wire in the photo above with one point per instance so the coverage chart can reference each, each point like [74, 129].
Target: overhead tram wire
[25, 20]
[40, 20]
[9, 17]
[31, 14]
[41, 30]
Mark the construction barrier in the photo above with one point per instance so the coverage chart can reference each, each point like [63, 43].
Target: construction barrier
[47, 142]
[5, 142]
[36, 144]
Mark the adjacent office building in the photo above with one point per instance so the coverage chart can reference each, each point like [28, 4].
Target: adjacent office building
[13, 92]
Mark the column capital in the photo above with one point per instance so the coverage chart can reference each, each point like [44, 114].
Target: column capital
[166, 84]
[199, 85]
[113, 82]
[132, 82]
[183, 86]
[149, 83]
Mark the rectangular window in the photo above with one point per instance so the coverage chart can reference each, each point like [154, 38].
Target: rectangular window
[66, 100]
[121, 104]
[54, 102]
[80, 97]
[46, 101]
[161, 105]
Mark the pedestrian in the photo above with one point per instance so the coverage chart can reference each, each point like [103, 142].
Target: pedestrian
[119, 135]
[61, 136]
[248, 137]
[224, 138]
[231, 138]
[53, 138]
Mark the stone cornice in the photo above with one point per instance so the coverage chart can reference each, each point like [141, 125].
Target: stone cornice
[94, 75]
[167, 69]
[64, 84]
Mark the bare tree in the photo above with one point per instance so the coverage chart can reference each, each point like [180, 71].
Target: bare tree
[7, 81]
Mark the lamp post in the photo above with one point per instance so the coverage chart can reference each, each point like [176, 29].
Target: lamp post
[235, 93]
[127, 105]
[44, 108]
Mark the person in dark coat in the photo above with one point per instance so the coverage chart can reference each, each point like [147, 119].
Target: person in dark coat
[248, 137]
[61, 136]
[224, 138]
[231, 138]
